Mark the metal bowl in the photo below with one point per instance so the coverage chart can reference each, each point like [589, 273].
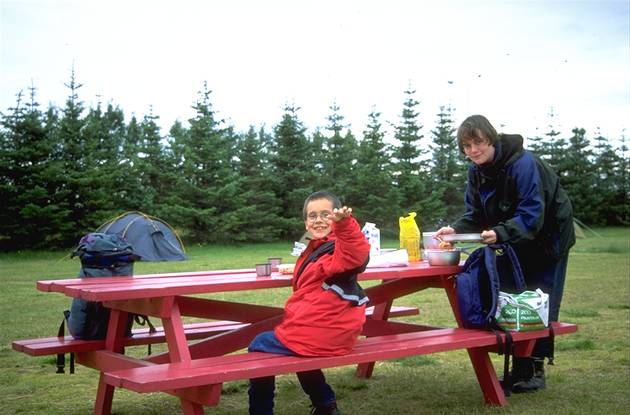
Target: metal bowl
[443, 256]
[428, 241]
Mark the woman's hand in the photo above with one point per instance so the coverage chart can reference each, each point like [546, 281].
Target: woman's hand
[489, 237]
[341, 213]
[446, 230]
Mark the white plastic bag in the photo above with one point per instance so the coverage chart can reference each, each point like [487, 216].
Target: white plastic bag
[396, 258]
[526, 311]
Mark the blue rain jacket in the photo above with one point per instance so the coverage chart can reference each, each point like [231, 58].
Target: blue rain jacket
[519, 197]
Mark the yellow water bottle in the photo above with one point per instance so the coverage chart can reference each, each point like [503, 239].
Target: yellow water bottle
[410, 236]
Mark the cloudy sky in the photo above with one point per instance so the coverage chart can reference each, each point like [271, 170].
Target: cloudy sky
[511, 60]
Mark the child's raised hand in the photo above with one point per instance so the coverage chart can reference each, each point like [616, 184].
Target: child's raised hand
[341, 213]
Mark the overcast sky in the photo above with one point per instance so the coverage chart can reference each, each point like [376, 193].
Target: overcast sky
[511, 60]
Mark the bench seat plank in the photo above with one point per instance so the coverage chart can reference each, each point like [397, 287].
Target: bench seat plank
[221, 369]
[141, 336]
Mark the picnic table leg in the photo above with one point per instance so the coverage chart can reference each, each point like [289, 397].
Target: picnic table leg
[190, 408]
[104, 397]
[383, 297]
[114, 343]
[381, 312]
[486, 376]
[175, 335]
[178, 348]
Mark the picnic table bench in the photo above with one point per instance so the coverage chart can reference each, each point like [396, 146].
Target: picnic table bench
[216, 370]
[195, 370]
[45, 346]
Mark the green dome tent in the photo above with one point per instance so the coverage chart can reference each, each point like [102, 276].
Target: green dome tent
[151, 238]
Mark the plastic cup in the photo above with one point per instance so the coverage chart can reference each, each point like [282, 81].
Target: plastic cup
[274, 261]
[263, 270]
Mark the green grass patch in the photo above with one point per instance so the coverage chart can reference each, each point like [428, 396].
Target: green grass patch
[619, 306]
[572, 312]
[415, 361]
[575, 344]
[590, 375]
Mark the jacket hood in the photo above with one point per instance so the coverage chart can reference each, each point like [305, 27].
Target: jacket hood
[508, 148]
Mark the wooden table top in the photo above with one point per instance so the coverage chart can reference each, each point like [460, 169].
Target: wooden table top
[187, 283]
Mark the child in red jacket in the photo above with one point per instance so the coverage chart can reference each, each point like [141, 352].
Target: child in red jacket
[325, 314]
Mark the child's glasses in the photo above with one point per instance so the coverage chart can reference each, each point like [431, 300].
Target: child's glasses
[324, 214]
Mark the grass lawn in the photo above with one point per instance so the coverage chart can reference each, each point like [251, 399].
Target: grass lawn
[591, 374]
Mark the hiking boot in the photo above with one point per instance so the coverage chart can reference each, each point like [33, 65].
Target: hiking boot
[534, 382]
[522, 369]
[330, 409]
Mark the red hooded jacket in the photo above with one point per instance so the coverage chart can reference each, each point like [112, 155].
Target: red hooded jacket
[317, 322]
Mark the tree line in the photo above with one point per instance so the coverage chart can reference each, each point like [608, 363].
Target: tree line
[65, 171]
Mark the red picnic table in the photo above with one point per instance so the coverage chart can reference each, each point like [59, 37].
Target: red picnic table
[171, 296]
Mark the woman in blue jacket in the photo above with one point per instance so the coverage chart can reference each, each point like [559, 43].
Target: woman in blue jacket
[514, 197]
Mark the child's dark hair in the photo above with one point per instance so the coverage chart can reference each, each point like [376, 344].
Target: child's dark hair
[322, 194]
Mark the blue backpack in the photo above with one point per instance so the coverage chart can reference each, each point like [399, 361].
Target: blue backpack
[486, 271]
[101, 255]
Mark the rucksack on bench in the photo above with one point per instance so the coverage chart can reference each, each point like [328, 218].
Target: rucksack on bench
[486, 271]
[101, 255]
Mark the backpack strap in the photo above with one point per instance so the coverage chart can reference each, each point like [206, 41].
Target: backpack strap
[517, 271]
[491, 265]
[552, 340]
[61, 357]
[142, 319]
[519, 283]
[507, 351]
[325, 248]
[490, 262]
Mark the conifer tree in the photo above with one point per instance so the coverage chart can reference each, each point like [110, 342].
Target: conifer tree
[622, 200]
[339, 156]
[260, 209]
[448, 171]
[411, 170]
[293, 170]
[555, 152]
[579, 179]
[206, 186]
[544, 146]
[612, 207]
[374, 198]
[29, 217]
[131, 194]
[154, 165]
[74, 194]
[103, 133]
[318, 144]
